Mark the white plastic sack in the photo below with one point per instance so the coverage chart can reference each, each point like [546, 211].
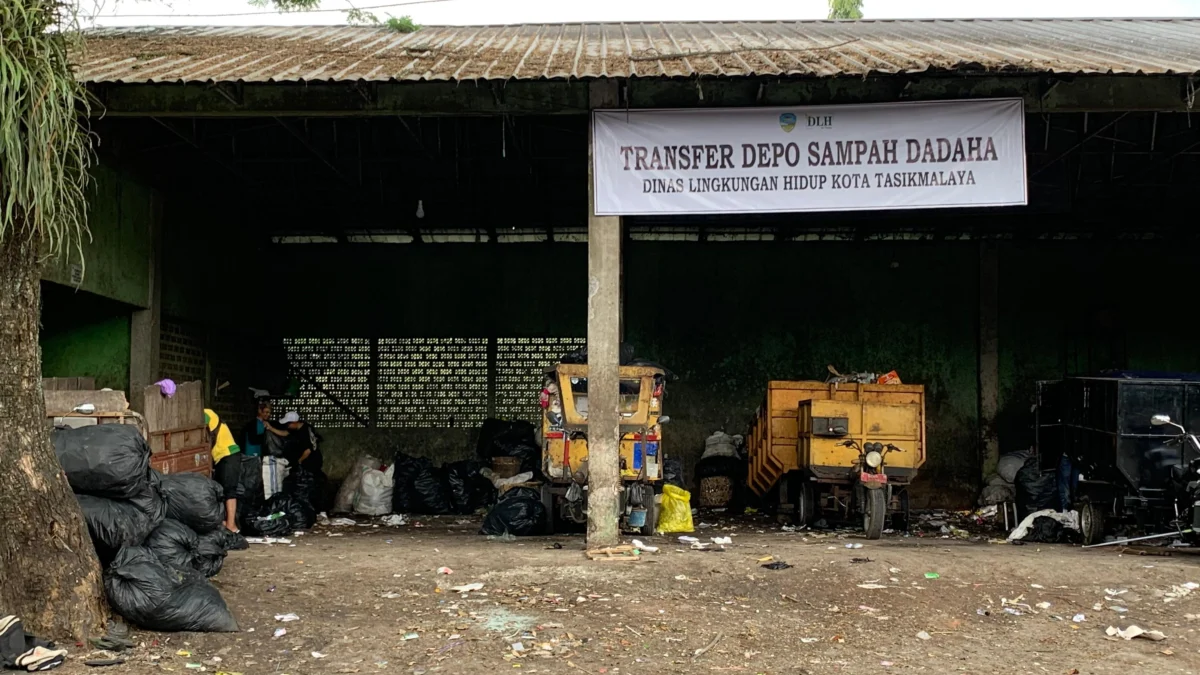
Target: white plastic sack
[375, 494]
[1068, 519]
[1011, 463]
[274, 470]
[720, 444]
[348, 492]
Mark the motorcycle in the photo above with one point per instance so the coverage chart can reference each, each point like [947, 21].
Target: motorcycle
[873, 492]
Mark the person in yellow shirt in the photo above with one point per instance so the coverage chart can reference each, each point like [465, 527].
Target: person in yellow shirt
[227, 462]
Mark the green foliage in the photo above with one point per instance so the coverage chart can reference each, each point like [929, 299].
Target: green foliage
[288, 5]
[358, 17]
[403, 24]
[45, 150]
[845, 9]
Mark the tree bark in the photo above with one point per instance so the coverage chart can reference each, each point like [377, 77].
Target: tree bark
[49, 573]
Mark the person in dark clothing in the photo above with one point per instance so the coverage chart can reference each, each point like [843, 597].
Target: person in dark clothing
[301, 447]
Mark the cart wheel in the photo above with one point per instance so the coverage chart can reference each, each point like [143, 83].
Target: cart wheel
[806, 502]
[874, 513]
[902, 517]
[548, 507]
[1091, 523]
[651, 510]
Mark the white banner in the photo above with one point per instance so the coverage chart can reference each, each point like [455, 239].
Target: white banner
[918, 155]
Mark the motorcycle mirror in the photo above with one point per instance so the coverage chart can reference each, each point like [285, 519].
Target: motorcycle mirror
[1159, 420]
[664, 419]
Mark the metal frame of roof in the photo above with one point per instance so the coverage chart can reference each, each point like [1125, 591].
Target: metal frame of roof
[316, 54]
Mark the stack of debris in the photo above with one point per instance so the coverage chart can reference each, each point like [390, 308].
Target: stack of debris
[141, 523]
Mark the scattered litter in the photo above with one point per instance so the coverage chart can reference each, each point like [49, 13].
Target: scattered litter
[983, 612]
[268, 540]
[445, 570]
[721, 541]
[393, 520]
[642, 547]
[467, 588]
[1115, 592]
[286, 617]
[1037, 586]
[280, 632]
[894, 570]
[872, 587]
[860, 560]
[1118, 610]
[678, 577]
[318, 655]
[183, 652]
[1013, 611]
[886, 664]
[924, 636]
[932, 575]
[1134, 632]
[767, 558]
[1078, 618]
[342, 522]
[411, 636]
[194, 666]
[1043, 605]
[700, 652]
[777, 565]
[854, 545]
[688, 540]
[390, 595]
[518, 647]
[809, 641]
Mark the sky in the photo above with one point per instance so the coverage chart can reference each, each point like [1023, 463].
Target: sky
[468, 12]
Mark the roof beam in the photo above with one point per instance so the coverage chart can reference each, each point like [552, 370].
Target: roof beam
[1042, 93]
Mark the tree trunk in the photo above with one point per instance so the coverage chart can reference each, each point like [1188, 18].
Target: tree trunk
[49, 574]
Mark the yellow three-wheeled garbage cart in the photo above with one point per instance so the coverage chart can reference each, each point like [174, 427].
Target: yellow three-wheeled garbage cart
[565, 444]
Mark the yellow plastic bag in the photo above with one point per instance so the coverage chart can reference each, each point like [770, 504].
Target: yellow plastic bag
[675, 512]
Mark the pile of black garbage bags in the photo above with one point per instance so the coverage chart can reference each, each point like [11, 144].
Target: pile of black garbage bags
[293, 508]
[158, 536]
[419, 487]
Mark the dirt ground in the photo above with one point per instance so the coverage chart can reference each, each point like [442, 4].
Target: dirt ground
[370, 601]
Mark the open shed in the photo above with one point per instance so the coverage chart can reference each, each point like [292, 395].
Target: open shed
[404, 219]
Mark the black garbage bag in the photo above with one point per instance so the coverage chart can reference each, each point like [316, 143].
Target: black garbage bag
[1045, 530]
[250, 481]
[673, 472]
[211, 550]
[264, 518]
[175, 544]
[1036, 489]
[467, 488]
[113, 525]
[404, 471]
[430, 494]
[152, 595]
[518, 512]
[194, 500]
[150, 500]
[299, 514]
[104, 460]
[304, 487]
[528, 453]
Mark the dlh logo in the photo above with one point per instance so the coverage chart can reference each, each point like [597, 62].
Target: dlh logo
[820, 121]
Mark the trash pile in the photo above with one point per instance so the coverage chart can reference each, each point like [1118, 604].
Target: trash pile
[413, 485]
[273, 499]
[157, 536]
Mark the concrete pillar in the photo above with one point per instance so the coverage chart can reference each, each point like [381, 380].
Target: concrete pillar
[604, 340]
[145, 326]
[989, 355]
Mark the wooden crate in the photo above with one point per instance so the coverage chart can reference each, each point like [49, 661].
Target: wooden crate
[195, 460]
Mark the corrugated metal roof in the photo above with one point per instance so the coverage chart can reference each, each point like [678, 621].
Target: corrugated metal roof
[561, 51]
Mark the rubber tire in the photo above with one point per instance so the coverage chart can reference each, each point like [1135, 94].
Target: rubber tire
[902, 517]
[651, 510]
[548, 506]
[1091, 523]
[806, 503]
[874, 512]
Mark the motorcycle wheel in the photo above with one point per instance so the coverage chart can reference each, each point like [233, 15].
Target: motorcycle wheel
[651, 510]
[874, 513]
